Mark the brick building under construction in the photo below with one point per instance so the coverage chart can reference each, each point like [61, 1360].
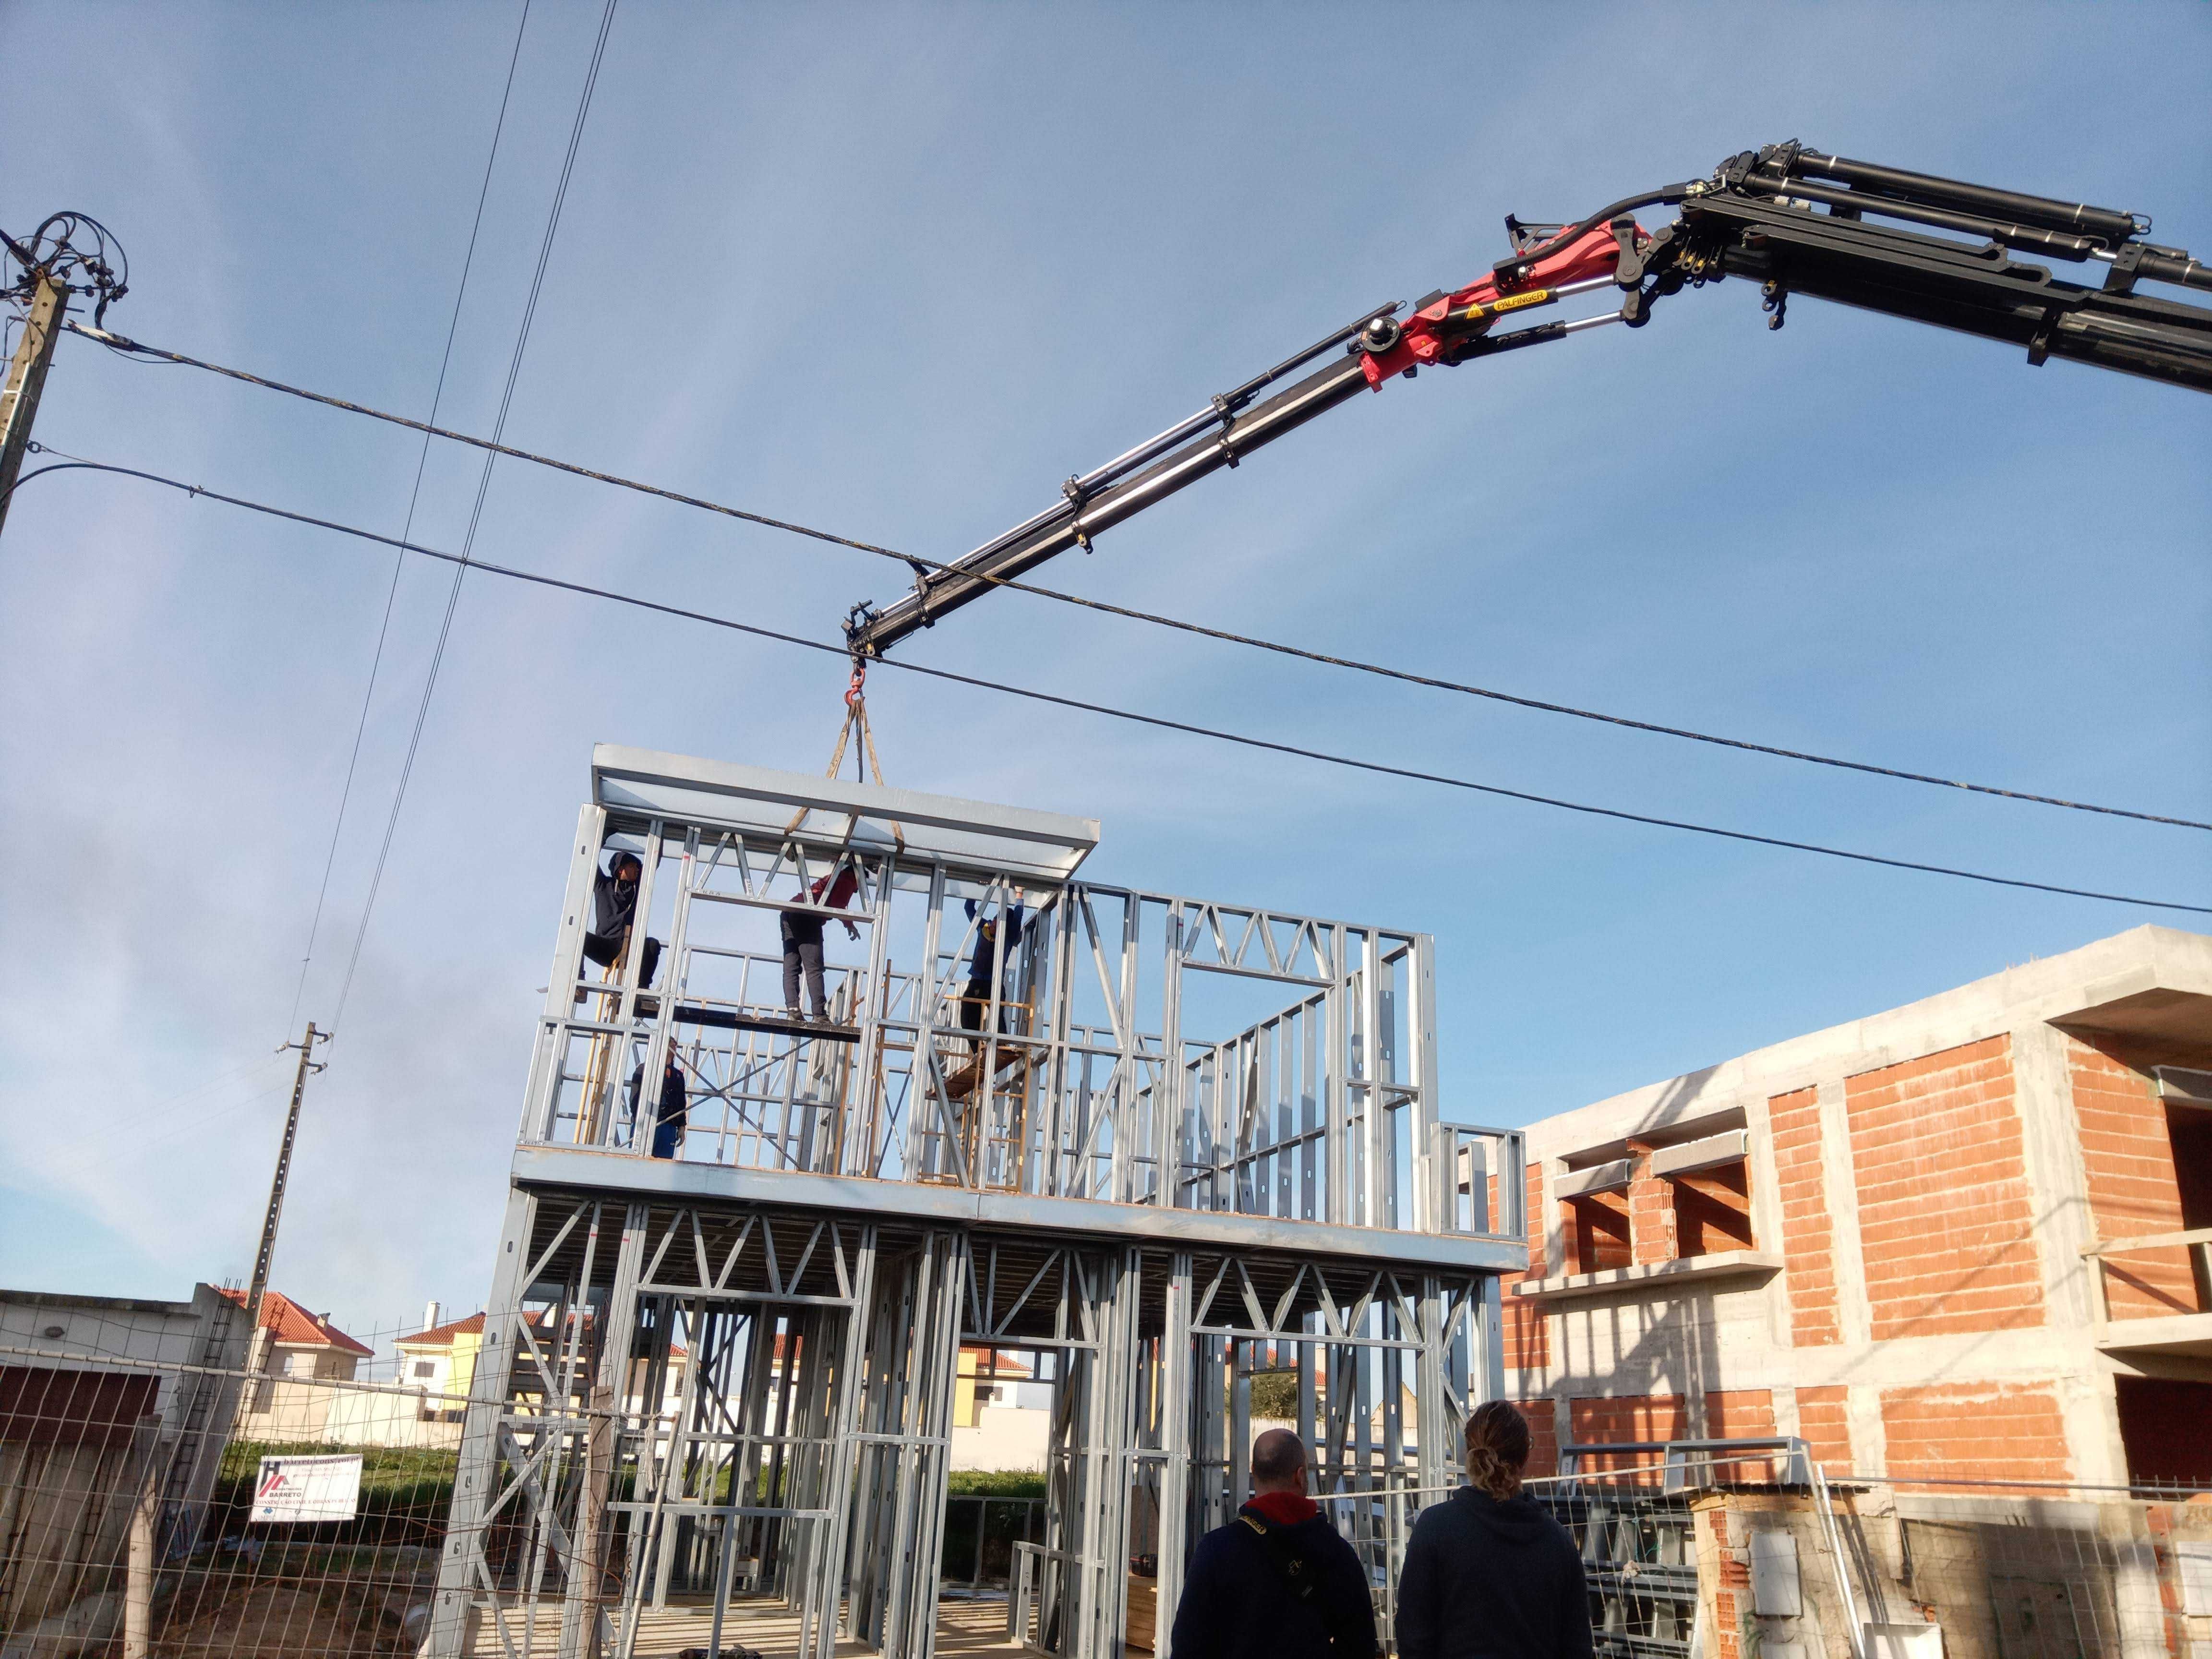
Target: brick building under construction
[1968, 1239]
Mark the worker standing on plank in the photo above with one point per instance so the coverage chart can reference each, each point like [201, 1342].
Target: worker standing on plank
[802, 939]
[614, 910]
[1277, 1582]
[982, 962]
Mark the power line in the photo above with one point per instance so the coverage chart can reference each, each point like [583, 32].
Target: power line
[129, 347]
[1215, 733]
[476, 511]
[399, 561]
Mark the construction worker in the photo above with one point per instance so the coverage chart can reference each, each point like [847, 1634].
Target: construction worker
[982, 962]
[614, 910]
[672, 1116]
[802, 939]
[1277, 1582]
[1488, 1571]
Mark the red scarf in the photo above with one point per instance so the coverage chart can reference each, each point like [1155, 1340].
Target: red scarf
[1284, 1509]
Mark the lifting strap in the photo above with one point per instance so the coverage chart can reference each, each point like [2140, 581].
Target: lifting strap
[864, 759]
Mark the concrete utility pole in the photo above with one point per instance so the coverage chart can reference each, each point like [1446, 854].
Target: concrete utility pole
[27, 378]
[306, 1047]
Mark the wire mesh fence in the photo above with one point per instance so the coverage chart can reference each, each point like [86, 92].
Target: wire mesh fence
[149, 1506]
[156, 1503]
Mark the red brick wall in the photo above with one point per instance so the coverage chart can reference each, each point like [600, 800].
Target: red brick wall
[1526, 1340]
[1742, 1414]
[1597, 1231]
[1807, 1236]
[2128, 1156]
[1824, 1423]
[1712, 1210]
[1735, 1582]
[1975, 1431]
[1627, 1416]
[1650, 1209]
[1543, 1436]
[1944, 1216]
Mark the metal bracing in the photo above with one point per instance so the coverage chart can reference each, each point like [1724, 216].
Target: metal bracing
[1164, 1147]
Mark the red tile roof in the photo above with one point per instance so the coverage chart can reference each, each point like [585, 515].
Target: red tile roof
[290, 1322]
[441, 1336]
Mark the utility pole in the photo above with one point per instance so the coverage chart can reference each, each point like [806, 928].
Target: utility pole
[306, 1047]
[27, 378]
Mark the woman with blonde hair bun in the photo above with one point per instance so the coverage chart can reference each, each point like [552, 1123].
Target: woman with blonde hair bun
[1488, 1574]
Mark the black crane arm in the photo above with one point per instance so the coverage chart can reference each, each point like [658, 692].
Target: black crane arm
[1794, 219]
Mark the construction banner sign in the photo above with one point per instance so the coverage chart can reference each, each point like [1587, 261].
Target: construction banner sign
[308, 1489]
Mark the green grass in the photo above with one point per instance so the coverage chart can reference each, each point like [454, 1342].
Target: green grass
[996, 1483]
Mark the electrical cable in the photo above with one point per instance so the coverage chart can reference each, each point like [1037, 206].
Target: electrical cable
[1156, 721]
[414, 496]
[476, 511]
[127, 347]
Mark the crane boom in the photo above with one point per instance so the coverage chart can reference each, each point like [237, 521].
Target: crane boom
[1793, 219]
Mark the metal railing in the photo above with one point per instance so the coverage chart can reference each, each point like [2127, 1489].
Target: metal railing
[970, 1540]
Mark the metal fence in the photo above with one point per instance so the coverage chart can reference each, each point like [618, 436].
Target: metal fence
[981, 1533]
[131, 1523]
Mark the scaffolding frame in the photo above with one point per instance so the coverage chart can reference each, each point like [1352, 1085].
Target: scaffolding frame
[730, 1374]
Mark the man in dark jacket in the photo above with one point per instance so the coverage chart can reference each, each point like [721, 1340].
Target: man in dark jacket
[802, 938]
[672, 1115]
[1277, 1582]
[983, 963]
[1492, 1578]
[614, 909]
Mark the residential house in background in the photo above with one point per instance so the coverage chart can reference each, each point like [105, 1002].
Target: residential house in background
[1001, 1413]
[292, 1352]
[440, 1360]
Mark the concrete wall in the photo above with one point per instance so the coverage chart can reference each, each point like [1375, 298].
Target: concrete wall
[1004, 1437]
[1996, 1577]
[1919, 1186]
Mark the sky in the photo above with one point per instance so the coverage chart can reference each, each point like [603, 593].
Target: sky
[896, 271]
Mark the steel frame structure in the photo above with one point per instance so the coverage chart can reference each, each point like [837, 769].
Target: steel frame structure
[730, 1373]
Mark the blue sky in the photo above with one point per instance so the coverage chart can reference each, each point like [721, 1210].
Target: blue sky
[896, 271]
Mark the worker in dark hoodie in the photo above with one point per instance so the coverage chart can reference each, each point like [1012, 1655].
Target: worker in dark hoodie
[614, 910]
[1488, 1573]
[1277, 1582]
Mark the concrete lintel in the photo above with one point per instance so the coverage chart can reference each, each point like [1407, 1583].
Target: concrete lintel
[666, 1179]
[1705, 1154]
[1599, 1178]
[1655, 1275]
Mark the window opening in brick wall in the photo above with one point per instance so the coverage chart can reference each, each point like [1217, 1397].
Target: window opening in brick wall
[1596, 1225]
[1712, 1210]
[2190, 1130]
[2162, 1429]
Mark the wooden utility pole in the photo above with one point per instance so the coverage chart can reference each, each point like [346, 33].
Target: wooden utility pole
[27, 378]
[306, 1047]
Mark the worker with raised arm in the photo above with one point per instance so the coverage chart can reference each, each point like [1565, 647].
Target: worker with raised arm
[1277, 1582]
[983, 960]
[802, 936]
[614, 912]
